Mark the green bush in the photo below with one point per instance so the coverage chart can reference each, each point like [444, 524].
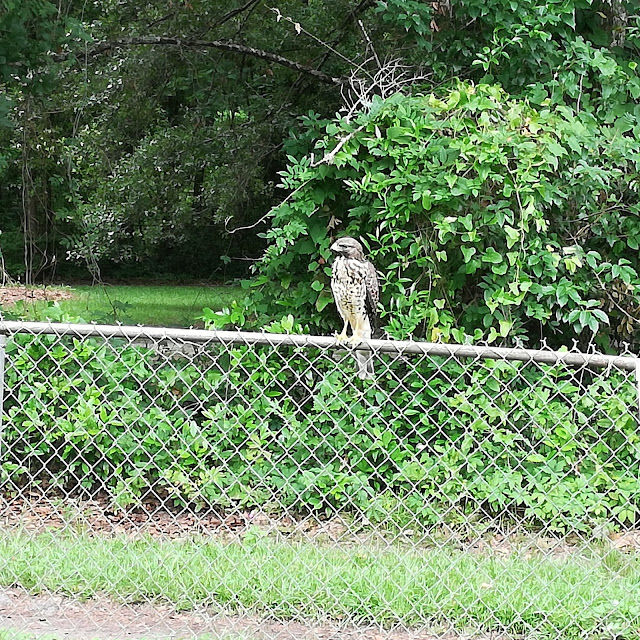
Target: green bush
[436, 439]
[486, 216]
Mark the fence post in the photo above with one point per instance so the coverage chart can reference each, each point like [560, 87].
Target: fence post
[3, 344]
[638, 385]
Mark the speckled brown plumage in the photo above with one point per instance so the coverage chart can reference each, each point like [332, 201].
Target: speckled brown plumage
[356, 291]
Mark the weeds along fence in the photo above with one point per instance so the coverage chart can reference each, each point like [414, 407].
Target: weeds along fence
[227, 484]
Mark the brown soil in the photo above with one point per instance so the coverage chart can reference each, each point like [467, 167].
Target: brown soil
[10, 296]
[53, 616]
[36, 512]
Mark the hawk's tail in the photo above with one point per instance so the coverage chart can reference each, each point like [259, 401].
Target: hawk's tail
[364, 358]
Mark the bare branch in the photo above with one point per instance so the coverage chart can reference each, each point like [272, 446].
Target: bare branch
[392, 76]
[102, 47]
[234, 12]
[329, 157]
[368, 42]
[266, 215]
[300, 29]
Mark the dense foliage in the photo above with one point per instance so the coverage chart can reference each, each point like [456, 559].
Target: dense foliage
[485, 152]
[137, 159]
[437, 440]
[486, 216]
[141, 136]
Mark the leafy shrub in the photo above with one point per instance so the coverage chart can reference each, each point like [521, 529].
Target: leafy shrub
[487, 217]
[241, 427]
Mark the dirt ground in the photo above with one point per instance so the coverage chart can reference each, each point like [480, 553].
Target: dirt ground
[9, 296]
[36, 512]
[54, 617]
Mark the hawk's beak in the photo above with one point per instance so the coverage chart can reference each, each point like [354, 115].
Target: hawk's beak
[334, 247]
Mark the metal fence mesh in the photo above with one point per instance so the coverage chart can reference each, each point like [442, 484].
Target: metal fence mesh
[174, 484]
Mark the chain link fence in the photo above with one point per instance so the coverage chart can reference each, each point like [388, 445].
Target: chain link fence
[162, 483]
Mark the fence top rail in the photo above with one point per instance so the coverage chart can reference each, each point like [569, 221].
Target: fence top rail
[625, 363]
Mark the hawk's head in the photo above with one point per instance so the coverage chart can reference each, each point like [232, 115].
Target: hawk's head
[348, 248]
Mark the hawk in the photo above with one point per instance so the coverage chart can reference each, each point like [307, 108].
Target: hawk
[355, 288]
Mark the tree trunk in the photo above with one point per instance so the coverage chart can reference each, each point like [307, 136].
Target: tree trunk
[28, 201]
[38, 224]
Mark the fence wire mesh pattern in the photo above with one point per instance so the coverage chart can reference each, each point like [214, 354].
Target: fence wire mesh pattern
[192, 484]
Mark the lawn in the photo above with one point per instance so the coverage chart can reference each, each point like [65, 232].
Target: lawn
[586, 594]
[152, 305]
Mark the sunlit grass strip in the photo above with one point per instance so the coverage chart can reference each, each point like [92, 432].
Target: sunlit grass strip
[152, 305]
[576, 596]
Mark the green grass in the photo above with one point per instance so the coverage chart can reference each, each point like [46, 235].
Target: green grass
[153, 305]
[578, 596]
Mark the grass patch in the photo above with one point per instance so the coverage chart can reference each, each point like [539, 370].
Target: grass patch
[153, 305]
[578, 596]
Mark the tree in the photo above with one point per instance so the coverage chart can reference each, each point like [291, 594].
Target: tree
[156, 163]
[494, 214]
[30, 32]
[144, 137]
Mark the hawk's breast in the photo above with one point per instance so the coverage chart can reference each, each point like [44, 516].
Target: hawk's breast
[348, 284]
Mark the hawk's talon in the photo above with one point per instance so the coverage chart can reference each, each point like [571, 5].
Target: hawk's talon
[341, 337]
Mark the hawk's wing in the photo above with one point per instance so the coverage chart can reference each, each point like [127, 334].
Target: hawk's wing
[373, 294]
[337, 296]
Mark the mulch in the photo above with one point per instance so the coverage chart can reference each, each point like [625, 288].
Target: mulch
[10, 296]
[35, 513]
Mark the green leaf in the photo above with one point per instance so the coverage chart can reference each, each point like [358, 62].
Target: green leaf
[513, 235]
[451, 180]
[600, 315]
[323, 300]
[505, 327]
[491, 256]
[467, 221]
[399, 134]
[318, 233]
[500, 269]
[468, 252]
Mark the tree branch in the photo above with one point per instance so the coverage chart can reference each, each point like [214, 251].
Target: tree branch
[233, 13]
[102, 47]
